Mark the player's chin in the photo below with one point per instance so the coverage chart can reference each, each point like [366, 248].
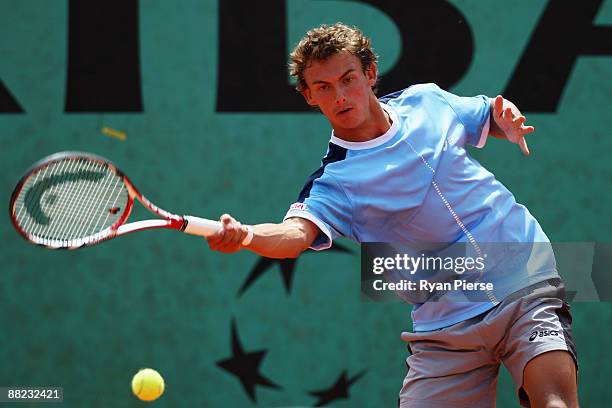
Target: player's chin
[348, 120]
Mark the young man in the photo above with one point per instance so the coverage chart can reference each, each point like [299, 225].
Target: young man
[397, 170]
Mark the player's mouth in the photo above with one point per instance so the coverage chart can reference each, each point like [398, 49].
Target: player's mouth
[343, 111]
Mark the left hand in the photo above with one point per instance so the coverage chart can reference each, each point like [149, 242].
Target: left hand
[511, 122]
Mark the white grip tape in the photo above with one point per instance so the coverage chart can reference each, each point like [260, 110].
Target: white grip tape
[201, 226]
[205, 228]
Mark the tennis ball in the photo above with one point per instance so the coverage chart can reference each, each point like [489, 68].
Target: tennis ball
[147, 384]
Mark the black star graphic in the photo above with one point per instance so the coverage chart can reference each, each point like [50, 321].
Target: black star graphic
[245, 366]
[287, 267]
[337, 391]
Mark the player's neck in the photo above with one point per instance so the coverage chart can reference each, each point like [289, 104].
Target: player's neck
[376, 125]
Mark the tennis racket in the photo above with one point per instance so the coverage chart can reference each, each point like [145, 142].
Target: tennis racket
[74, 199]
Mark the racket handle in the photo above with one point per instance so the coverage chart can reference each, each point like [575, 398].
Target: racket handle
[205, 228]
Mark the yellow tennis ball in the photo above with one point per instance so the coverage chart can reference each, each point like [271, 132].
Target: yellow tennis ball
[147, 384]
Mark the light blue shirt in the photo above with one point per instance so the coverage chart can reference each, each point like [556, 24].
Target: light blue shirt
[418, 183]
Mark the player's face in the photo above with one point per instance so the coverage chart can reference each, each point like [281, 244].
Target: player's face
[341, 89]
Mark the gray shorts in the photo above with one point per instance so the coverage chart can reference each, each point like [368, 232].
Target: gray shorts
[458, 366]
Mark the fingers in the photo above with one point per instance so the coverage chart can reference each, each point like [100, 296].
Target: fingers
[229, 238]
[231, 230]
[508, 116]
[521, 132]
[498, 105]
[518, 121]
[523, 145]
[527, 129]
[512, 123]
[505, 117]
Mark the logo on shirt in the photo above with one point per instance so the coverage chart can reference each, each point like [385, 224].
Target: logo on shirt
[542, 333]
[298, 206]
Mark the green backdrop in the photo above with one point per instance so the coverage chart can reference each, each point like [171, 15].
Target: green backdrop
[88, 320]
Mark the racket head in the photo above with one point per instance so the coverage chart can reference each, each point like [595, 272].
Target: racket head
[69, 200]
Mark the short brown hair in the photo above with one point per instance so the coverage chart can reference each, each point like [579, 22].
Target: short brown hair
[324, 41]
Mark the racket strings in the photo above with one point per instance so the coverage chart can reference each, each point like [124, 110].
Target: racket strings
[104, 205]
[84, 206]
[92, 206]
[31, 198]
[78, 222]
[33, 193]
[71, 203]
[60, 173]
[65, 168]
[70, 199]
[65, 209]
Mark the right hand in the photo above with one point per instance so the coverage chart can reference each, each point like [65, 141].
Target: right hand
[229, 238]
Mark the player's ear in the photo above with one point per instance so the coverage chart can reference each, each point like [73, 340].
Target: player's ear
[372, 74]
[308, 96]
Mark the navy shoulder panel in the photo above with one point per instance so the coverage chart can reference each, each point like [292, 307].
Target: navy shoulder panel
[387, 98]
[416, 88]
[334, 154]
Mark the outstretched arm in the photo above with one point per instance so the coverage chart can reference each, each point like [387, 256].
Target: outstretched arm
[507, 122]
[286, 240]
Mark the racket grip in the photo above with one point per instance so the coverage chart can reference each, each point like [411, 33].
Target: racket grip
[205, 228]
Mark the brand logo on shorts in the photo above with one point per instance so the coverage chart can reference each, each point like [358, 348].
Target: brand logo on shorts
[542, 333]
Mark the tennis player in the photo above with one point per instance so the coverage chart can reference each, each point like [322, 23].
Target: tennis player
[397, 170]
